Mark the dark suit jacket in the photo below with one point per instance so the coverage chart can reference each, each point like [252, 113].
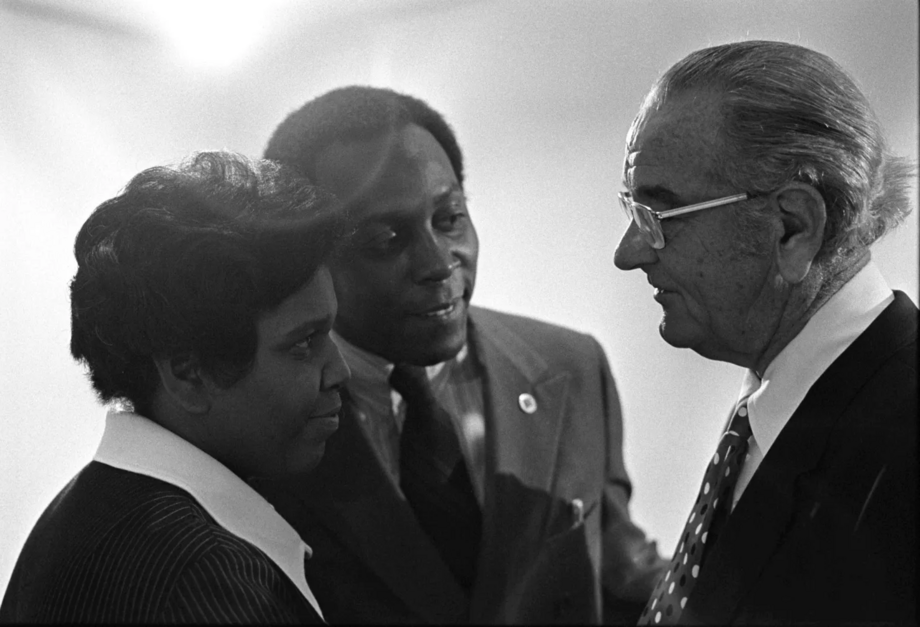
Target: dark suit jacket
[826, 531]
[119, 547]
[539, 562]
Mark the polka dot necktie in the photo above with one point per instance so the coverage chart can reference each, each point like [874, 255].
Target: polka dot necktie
[712, 507]
[434, 477]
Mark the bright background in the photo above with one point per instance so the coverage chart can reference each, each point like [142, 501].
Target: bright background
[540, 94]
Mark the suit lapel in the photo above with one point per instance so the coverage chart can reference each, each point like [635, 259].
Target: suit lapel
[520, 443]
[521, 446]
[765, 510]
[357, 501]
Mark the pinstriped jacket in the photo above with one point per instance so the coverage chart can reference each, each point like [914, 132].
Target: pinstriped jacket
[116, 546]
[155, 530]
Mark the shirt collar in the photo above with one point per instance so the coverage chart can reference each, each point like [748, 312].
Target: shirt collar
[822, 340]
[137, 444]
[369, 385]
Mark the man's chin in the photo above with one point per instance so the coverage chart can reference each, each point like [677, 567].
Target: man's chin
[674, 335]
[416, 342]
[431, 355]
[428, 351]
[426, 344]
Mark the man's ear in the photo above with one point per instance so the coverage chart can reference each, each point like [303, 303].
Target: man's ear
[184, 383]
[802, 214]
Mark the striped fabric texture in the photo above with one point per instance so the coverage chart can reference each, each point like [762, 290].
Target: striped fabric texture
[119, 547]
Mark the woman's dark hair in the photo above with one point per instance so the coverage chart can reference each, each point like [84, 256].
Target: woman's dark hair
[184, 261]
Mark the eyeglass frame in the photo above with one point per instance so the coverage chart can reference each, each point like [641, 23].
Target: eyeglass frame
[650, 225]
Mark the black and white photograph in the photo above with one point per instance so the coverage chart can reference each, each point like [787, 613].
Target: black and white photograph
[459, 311]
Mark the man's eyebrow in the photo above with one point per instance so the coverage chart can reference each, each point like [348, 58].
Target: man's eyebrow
[447, 193]
[659, 193]
[385, 217]
[381, 219]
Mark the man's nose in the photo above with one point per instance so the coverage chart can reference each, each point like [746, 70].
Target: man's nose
[432, 259]
[633, 250]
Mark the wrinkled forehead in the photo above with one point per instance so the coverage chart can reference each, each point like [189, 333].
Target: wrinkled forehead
[679, 138]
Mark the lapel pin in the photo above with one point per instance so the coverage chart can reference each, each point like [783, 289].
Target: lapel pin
[527, 403]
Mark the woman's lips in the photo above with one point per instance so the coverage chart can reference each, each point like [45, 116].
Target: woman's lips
[328, 414]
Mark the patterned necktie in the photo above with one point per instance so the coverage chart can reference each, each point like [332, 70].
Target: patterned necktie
[434, 477]
[712, 507]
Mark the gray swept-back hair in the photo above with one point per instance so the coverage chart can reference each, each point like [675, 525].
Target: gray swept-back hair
[793, 114]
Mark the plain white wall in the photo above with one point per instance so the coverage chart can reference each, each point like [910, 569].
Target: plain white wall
[540, 94]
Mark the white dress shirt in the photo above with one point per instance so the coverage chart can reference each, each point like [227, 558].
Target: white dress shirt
[136, 444]
[793, 372]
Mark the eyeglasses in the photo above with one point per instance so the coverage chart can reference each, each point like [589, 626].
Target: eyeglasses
[649, 221]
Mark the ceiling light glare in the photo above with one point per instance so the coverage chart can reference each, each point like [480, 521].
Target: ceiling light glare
[211, 33]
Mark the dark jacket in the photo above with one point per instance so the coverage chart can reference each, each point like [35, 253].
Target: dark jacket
[539, 560]
[120, 547]
[826, 532]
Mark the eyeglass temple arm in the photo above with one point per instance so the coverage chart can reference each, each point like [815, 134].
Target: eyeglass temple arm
[718, 202]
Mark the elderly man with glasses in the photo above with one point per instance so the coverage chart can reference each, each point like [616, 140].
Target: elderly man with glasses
[757, 178]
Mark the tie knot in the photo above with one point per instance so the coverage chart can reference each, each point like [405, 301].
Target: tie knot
[411, 382]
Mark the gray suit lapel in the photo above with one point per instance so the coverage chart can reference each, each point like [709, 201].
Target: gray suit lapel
[522, 450]
[520, 443]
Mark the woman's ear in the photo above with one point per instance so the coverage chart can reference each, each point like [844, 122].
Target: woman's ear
[184, 383]
[803, 215]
